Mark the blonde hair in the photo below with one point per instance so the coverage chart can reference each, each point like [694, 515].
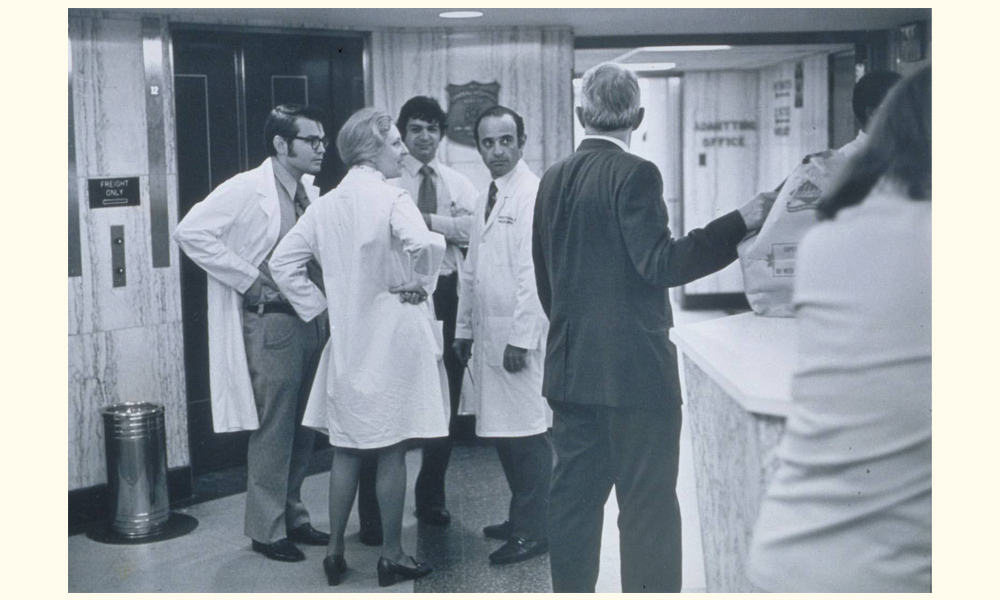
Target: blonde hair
[363, 136]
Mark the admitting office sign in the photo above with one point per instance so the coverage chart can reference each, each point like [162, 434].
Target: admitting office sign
[119, 191]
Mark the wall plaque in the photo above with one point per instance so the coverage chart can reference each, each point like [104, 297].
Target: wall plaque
[119, 191]
[465, 104]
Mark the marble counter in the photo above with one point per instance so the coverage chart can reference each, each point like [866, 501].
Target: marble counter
[736, 377]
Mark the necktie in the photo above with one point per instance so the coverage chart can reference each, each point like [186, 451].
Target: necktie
[301, 200]
[313, 269]
[427, 195]
[491, 200]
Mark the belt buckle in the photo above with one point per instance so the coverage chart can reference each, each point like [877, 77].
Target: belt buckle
[260, 309]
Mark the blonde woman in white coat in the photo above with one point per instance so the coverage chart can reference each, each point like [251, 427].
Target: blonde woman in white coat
[380, 380]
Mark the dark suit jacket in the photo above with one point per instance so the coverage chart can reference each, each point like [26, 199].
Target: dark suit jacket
[604, 259]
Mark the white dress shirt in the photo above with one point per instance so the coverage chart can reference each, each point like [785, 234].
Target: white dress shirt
[456, 201]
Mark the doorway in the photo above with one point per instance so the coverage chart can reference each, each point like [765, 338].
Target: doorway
[225, 83]
[729, 116]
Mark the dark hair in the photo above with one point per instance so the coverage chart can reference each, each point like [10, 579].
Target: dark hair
[499, 111]
[870, 91]
[424, 108]
[898, 148]
[281, 122]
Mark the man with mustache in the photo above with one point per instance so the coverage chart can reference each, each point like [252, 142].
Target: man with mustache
[499, 312]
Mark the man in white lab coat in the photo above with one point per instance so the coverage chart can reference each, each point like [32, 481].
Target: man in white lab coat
[499, 312]
[262, 357]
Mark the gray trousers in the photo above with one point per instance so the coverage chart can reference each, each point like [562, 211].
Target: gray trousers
[527, 464]
[282, 353]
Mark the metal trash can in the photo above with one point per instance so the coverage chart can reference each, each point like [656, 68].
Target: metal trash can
[136, 450]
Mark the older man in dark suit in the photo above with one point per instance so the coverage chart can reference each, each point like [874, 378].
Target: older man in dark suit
[603, 259]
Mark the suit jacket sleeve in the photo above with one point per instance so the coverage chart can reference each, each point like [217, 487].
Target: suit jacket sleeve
[288, 267]
[542, 285]
[659, 259]
[201, 232]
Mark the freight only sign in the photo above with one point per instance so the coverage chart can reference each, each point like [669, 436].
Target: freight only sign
[121, 191]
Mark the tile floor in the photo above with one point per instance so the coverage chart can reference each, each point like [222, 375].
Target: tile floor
[216, 557]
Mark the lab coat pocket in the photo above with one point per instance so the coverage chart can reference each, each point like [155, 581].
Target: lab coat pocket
[495, 339]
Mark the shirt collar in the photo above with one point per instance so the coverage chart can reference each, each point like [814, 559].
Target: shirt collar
[366, 172]
[286, 179]
[606, 138]
[413, 165]
[504, 181]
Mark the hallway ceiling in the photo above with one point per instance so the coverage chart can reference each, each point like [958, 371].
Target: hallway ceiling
[583, 21]
[739, 57]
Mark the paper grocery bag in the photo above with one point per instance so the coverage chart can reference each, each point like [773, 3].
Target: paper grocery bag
[768, 258]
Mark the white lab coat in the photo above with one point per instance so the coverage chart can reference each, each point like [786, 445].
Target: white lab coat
[380, 379]
[228, 234]
[498, 305]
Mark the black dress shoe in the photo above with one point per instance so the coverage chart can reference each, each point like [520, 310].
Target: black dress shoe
[517, 550]
[390, 572]
[436, 515]
[306, 534]
[283, 550]
[371, 537]
[500, 531]
[334, 566]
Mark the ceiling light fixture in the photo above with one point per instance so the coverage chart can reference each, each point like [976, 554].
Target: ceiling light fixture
[634, 51]
[461, 14]
[683, 48]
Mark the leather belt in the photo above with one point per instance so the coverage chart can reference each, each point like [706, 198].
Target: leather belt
[271, 307]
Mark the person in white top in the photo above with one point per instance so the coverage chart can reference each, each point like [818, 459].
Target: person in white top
[380, 378]
[446, 200]
[849, 506]
[261, 355]
[868, 94]
[500, 315]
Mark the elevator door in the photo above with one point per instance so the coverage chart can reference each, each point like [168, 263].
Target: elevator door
[225, 83]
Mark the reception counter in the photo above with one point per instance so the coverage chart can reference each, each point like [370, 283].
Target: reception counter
[736, 374]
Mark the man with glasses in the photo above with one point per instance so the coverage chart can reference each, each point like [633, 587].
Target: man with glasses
[262, 356]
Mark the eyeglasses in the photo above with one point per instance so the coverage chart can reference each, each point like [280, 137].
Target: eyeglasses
[313, 141]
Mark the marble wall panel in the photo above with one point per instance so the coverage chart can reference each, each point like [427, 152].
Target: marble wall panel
[532, 65]
[111, 141]
[734, 459]
[150, 296]
[125, 344]
[127, 365]
[108, 89]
